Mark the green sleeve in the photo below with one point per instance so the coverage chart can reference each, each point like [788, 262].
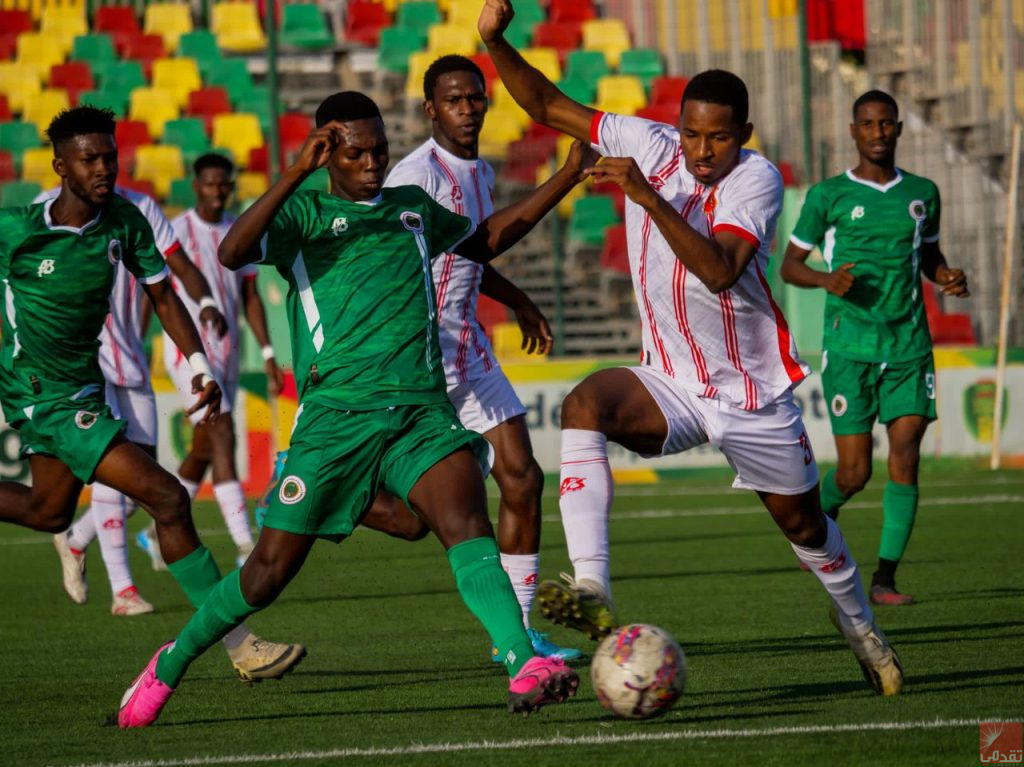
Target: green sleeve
[140, 255]
[287, 232]
[7, 228]
[813, 222]
[446, 229]
[931, 227]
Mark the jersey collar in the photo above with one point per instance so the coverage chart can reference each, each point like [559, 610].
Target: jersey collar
[48, 220]
[883, 188]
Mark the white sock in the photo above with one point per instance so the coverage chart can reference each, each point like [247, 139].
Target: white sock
[522, 571]
[838, 573]
[231, 500]
[585, 500]
[108, 511]
[192, 488]
[83, 531]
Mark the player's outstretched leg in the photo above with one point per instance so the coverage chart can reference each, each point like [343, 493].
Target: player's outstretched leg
[72, 564]
[106, 519]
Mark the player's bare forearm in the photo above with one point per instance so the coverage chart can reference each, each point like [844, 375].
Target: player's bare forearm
[191, 278]
[241, 245]
[255, 314]
[953, 282]
[494, 285]
[795, 271]
[174, 317]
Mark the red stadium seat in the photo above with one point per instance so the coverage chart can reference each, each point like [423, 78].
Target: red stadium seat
[524, 157]
[118, 21]
[7, 170]
[138, 185]
[5, 109]
[614, 255]
[12, 23]
[667, 91]
[293, 130]
[571, 10]
[660, 114]
[259, 159]
[130, 135]
[208, 103]
[563, 36]
[953, 329]
[483, 60]
[364, 20]
[74, 77]
[490, 313]
[145, 49]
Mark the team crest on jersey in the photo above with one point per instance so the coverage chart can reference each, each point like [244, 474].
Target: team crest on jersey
[292, 490]
[339, 225]
[412, 221]
[918, 210]
[114, 252]
[46, 266]
[857, 212]
[839, 405]
[85, 420]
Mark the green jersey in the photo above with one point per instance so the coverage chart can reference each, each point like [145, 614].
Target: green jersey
[881, 229]
[57, 282]
[361, 300]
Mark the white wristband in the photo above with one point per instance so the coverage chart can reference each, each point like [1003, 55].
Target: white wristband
[267, 352]
[207, 302]
[200, 366]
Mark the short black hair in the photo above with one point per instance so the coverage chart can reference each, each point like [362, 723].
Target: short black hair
[79, 121]
[345, 107]
[446, 65]
[875, 97]
[716, 86]
[213, 160]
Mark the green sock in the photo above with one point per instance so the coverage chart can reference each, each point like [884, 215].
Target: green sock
[487, 592]
[832, 498]
[196, 573]
[899, 507]
[224, 608]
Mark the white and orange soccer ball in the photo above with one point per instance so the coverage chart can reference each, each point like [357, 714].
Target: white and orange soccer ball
[638, 671]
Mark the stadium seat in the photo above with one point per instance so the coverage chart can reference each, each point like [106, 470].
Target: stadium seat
[586, 65]
[237, 27]
[201, 45]
[578, 89]
[181, 194]
[660, 114]
[118, 21]
[13, 22]
[96, 49]
[18, 84]
[443, 39]
[8, 171]
[37, 166]
[233, 76]
[42, 107]
[520, 31]
[667, 91]
[115, 100]
[418, 63]
[5, 108]
[396, 45]
[613, 191]
[591, 215]
[74, 77]
[249, 185]
[130, 135]
[145, 49]
[622, 94]
[524, 157]
[609, 36]
[159, 164]
[206, 103]
[238, 133]
[545, 60]
[420, 15]
[503, 102]
[644, 63]
[292, 130]
[16, 137]
[257, 102]
[15, 194]
[364, 19]
[486, 64]
[571, 10]
[501, 128]
[169, 20]
[179, 76]
[38, 52]
[188, 134]
[614, 254]
[531, 11]
[788, 173]
[124, 75]
[142, 185]
[303, 26]
[259, 159]
[64, 26]
[563, 36]
[153, 106]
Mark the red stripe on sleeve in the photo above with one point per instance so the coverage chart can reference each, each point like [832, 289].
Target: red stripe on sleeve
[173, 249]
[739, 231]
[595, 129]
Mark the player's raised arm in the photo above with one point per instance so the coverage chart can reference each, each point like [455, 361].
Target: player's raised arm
[241, 246]
[534, 92]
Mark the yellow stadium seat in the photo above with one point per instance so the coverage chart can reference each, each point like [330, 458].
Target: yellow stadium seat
[37, 166]
[250, 185]
[65, 27]
[41, 8]
[159, 164]
[42, 107]
[153, 106]
[170, 21]
[565, 206]
[443, 39]
[500, 129]
[622, 94]
[179, 76]
[609, 36]
[18, 83]
[503, 103]
[39, 51]
[237, 27]
[418, 64]
[546, 60]
[240, 132]
[463, 13]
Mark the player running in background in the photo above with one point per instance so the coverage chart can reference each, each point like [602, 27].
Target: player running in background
[880, 229]
[718, 362]
[201, 229]
[58, 262]
[374, 412]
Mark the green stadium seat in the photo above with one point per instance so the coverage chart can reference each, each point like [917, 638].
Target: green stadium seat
[304, 26]
[396, 45]
[520, 31]
[578, 89]
[96, 48]
[16, 137]
[201, 45]
[586, 65]
[257, 101]
[590, 217]
[14, 194]
[420, 15]
[188, 133]
[530, 11]
[644, 63]
[124, 76]
[113, 99]
[233, 76]
[181, 194]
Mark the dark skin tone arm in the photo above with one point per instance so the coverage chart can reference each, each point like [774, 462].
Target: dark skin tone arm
[532, 322]
[257, 319]
[196, 286]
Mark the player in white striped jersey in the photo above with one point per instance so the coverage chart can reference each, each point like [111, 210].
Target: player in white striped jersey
[718, 361]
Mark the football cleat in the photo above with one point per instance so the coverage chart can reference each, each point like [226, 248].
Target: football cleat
[72, 565]
[543, 647]
[878, 660]
[581, 605]
[540, 682]
[146, 540]
[142, 703]
[257, 659]
[884, 595]
[130, 602]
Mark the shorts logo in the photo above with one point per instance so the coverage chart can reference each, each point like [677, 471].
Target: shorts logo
[918, 211]
[571, 485]
[339, 225]
[839, 405]
[412, 221]
[857, 212]
[46, 266]
[85, 420]
[114, 252]
[292, 490]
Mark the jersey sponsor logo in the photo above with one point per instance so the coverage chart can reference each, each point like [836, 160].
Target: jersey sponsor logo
[339, 225]
[835, 564]
[839, 405]
[918, 210]
[571, 485]
[85, 420]
[292, 490]
[412, 221]
[114, 251]
[857, 212]
[46, 266]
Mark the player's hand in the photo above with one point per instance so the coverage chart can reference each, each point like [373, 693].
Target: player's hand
[211, 317]
[319, 147]
[953, 282]
[209, 397]
[581, 157]
[534, 326]
[275, 377]
[494, 20]
[839, 282]
[627, 174]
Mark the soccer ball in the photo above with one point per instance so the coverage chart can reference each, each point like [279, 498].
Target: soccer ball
[638, 671]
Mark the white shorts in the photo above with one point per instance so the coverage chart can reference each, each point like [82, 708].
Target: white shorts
[486, 402]
[136, 406]
[768, 448]
[181, 374]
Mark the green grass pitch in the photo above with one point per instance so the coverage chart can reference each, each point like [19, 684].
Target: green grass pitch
[398, 671]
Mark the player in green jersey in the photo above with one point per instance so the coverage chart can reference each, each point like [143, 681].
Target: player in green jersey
[879, 230]
[374, 411]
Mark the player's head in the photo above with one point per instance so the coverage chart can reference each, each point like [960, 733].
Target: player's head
[357, 165]
[455, 99]
[213, 184]
[876, 127]
[713, 123]
[85, 152]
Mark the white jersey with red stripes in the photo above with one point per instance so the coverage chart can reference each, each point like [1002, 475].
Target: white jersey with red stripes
[464, 187]
[201, 240]
[734, 345]
[122, 356]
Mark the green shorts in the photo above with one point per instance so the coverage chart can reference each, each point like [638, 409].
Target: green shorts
[76, 430]
[859, 392]
[339, 459]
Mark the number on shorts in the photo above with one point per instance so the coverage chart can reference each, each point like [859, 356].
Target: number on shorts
[805, 443]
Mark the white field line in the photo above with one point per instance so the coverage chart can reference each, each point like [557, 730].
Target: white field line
[556, 741]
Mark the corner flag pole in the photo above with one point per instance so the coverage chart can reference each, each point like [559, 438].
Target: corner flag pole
[1004, 298]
